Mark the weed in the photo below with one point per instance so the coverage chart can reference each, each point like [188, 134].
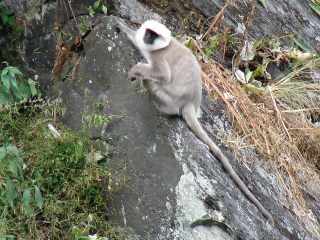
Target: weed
[10, 34]
[14, 88]
[315, 5]
[263, 3]
[269, 123]
[220, 42]
[214, 43]
[95, 120]
[97, 7]
[295, 89]
[84, 25]
[49, 188]
[6, 17]
[274, 117]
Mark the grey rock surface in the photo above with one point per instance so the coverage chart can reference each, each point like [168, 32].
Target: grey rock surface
[134, 11]
[277, 18]
[169, 171]
[18, 6]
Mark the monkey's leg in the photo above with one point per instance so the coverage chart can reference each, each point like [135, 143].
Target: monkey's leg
[163, 101]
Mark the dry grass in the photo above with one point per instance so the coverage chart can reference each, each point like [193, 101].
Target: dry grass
[283, 135]
[275, 120]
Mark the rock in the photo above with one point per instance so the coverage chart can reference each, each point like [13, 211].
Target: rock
[168, 168]
[277, 18]
[18, 6]
[134, 11]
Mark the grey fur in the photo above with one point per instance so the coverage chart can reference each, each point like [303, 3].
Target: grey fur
[173, 78]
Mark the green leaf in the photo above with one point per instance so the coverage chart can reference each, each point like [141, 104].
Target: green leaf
[11, 193]
[5, 97]
[248, 75]
[26, 201]
[263, 2]
[97, 5]
[14, 83]
[11, 20]
[33, 89]
[17, 94]
[38, 197]
[5, 19]
[260, 71]
[5, 79]
[302, 45]
[104, 9]
[13, 150]
[7, 237]
[315, 7]
[14, 168]
[24, 91]
[3, 152]
[82, 238]
[91, 11]
[4, 71]
[14, 70]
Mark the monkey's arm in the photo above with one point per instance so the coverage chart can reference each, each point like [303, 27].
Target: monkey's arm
[128, 31]
[148, 72]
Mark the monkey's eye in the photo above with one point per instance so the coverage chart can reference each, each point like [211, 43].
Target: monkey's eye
[150, 36]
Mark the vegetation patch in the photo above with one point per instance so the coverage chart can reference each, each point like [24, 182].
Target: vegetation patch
[10, 35]
[14, 88]
[50, 188]
[315, 5]
[51, 185]
[272, 96]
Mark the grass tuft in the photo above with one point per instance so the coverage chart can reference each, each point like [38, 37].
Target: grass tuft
[49, 187]
[273, 124]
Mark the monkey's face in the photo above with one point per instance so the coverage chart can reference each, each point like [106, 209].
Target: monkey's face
[152, 36]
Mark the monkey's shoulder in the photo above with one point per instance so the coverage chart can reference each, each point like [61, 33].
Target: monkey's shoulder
[176, 52]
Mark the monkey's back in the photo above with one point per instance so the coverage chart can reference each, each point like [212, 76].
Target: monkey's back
[185, 83]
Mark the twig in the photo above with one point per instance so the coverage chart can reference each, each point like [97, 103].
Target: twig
[74, 17]
[196, 44]
[217, 19]
[301, 110]
[279, 114]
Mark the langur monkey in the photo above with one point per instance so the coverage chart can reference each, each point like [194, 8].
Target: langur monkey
[172, 76]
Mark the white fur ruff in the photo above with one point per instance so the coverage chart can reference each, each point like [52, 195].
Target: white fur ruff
[162, 42]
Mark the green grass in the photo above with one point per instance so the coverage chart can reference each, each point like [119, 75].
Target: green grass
[315, 5]
[49, 188]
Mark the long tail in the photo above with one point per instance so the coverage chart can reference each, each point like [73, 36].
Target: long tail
[189, 116]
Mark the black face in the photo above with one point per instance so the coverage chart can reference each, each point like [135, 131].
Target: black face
[150, 36]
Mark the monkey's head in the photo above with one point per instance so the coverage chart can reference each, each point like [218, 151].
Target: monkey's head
[152, 36]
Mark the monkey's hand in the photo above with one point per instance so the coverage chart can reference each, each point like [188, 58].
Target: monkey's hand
[140, 88]
[136, 72]
[143, 71]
